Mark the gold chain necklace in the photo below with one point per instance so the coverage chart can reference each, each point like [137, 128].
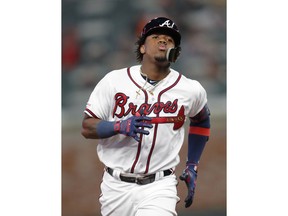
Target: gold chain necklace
[146, 81]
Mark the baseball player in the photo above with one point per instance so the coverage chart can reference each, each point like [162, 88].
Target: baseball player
[138, 114]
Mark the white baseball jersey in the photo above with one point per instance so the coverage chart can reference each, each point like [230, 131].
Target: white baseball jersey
[120, 94]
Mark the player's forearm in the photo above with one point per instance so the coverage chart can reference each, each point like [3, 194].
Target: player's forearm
[89, 128]
[198, 136]
[97, 129]
[196, 145]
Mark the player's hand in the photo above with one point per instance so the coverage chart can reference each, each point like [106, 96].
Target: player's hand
[189, 175]
[135, 124]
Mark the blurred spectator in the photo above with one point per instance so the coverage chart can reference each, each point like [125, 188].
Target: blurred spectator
[70, 59]
[70, 50]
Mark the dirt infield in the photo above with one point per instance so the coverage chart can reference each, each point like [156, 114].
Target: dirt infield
[82, 173]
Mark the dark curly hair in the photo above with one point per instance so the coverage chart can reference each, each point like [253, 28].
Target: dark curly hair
[139, 43]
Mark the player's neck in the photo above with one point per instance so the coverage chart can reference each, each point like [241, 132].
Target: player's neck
[154, 72]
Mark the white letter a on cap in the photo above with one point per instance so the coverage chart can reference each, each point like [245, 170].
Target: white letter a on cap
[167, 24]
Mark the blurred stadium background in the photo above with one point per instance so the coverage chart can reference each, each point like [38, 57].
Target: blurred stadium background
[99, 36]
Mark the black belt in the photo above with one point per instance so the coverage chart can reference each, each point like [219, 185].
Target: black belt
[139, 180]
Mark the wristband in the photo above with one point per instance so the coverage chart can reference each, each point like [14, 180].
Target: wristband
[106, 129]
[117, 126]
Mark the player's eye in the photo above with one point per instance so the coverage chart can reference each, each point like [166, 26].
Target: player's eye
[170, 40]
[155, 36]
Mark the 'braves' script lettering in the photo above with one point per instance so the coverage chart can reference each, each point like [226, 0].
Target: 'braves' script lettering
[123, 108]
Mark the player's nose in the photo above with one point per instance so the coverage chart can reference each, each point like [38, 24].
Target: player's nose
[162, 41]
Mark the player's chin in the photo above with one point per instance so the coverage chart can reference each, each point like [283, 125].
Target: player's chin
[161, 58]
[162, 61]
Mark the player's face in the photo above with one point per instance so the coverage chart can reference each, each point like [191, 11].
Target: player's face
[156, 46]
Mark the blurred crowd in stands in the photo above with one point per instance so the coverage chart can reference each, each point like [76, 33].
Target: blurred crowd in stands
[99, 36]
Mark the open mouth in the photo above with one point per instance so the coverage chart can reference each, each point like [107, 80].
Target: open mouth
[162, 48]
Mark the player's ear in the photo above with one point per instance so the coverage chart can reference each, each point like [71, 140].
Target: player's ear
[142, 49]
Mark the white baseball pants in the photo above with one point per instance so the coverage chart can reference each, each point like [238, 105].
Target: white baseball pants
[119, 198]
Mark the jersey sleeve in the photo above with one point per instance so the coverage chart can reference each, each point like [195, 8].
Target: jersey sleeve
[199, 99]
[99, 103]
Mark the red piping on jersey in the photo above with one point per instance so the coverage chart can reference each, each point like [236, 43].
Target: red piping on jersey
[139, 144]
[156, 125]
[199, 131]
[91, 113]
